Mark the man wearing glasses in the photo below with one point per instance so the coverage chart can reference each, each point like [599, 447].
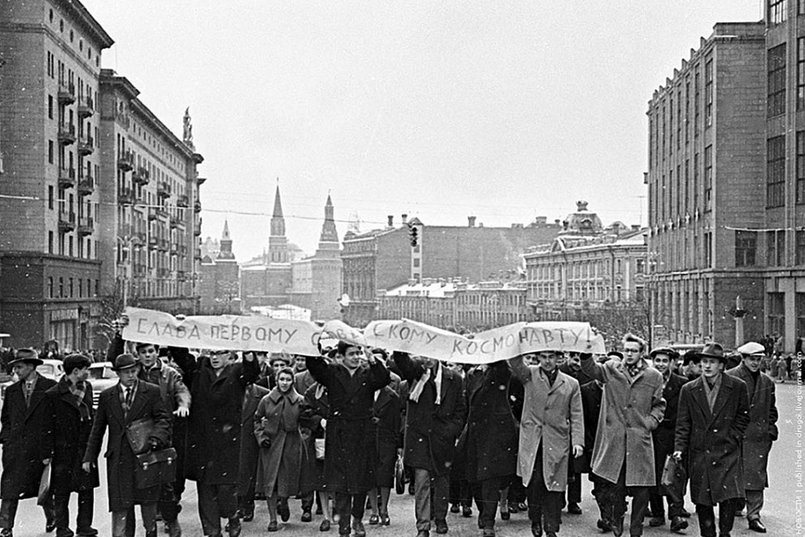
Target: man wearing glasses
[623, 456]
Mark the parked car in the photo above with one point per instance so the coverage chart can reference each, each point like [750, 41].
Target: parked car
[101, 376]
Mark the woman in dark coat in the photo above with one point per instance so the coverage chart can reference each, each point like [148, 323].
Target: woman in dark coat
[313, 418]
[276, 427]
[386, 428]
[491, 437]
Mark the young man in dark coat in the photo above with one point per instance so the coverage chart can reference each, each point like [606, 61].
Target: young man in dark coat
[249, 451]
[70, 406]
[26, 427]
[217, 391]
[761, 431]
[710, 425]
[572, 367]
[349, 451]
[490, 438]
[663, 440]
[435, 416]
[128, 401]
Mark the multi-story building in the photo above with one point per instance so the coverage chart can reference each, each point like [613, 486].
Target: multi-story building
[219, 285]
[708, 153]
[455, 305]
[386, 259]
[51, 238]
[316, 280]
[586, 266]
[151, 194]
[95, 192]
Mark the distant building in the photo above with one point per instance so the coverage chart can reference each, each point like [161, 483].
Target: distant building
[219, 285]
[385, 259]
[316, 280]
[586, 266]
[456, 305]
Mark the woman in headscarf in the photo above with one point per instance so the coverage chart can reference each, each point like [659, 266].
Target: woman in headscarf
[276, 426]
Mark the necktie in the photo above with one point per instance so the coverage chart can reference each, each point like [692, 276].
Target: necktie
[129, 399]
[28, 391]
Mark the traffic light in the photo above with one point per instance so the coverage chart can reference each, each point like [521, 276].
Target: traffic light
[413, 234]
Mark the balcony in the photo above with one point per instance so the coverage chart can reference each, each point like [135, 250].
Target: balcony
[163, 189]
[164, 245]
[182, 201]
[125, 196]
[126, 161]
[153, 241]
[66, 134]
[174, 249]
[197, 207]
[66, 177]
[85, 226]
[66, 93]
[141, 176]
[86, 107]
[66, 220]
[86, 145]
[86, 185]
[139, 271]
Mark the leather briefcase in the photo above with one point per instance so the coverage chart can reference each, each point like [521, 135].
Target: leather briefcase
[155, 468]
[138, 433]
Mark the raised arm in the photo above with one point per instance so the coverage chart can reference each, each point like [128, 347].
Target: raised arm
[410, 370]
[519, 369]
[592, 369]
[319, 369]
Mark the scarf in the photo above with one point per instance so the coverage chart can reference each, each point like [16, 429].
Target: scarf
[416, 391]
[79, 390]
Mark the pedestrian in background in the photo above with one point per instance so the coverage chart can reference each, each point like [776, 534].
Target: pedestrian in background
[71, 414]
[25, 435]
[128, 401]
[760, 433]
[713, 416]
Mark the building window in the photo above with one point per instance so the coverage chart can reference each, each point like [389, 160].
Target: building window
[708, 178]
[50, 151]
[776, 81]
[745, 244]
[801, 71]
[778, 11]
[776, 315]
[61, 287]
[800, 7]
[800, 167]
[50, 246]
[800, 247]
[708, 250]
[775, 172]
[696, 102]
[775, 248]
[50, 106]
[708, 93]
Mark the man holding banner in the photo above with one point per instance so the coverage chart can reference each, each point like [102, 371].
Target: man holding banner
[632, 408]
[349, 451]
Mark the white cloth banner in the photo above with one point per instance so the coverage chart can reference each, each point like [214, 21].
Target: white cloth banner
[225, 332]
[258, 333]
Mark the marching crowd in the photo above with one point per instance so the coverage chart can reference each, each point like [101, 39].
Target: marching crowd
[339, 431]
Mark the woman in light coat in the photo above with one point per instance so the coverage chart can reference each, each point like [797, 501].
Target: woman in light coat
[276, 426]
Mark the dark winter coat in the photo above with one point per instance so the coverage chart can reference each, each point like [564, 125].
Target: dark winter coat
[24, 435]
[591, 395]
[249, 450]
[315, 408]
[213, 454]
[276, 420]
[69, 439]
[431, 430]
[120, 459]
[491, 432]
[762, 428]
[632, 407]
[712, 440]
[349, 451]
[663, 435]
[386, 427]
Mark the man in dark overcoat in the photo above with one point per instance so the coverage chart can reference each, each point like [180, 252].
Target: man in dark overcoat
[572, 367]
[623, 456]
[491, 438]
[70, 406]
[249, 451]
[118, 406]
[24, 435]
[217, 391]
[436, 411]
[711, 421]
[761, 431]
[348, 451]
[663, 439]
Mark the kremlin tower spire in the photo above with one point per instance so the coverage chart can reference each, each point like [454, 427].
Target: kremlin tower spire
[277, 241]
[225, 253]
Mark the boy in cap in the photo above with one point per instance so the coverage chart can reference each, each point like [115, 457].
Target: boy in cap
[25, 431]
[761, 431]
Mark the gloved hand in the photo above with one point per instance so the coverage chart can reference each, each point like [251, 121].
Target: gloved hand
[265, 443]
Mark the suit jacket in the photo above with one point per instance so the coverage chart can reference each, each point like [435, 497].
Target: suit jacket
[712, 439]
[25, 436]
[121, 461]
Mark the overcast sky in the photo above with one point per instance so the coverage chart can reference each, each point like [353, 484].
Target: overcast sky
[502, 110]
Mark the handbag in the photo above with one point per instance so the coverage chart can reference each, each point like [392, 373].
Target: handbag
[319, 448]
[138, 434]
[155, 468]
[673, 478]
[399, 475]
